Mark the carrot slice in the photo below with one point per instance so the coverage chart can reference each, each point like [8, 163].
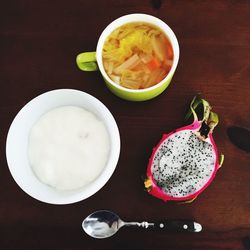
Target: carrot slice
[167, 65]
[170, 53]
[154, 64]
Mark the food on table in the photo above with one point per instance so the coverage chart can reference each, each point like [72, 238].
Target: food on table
[137, 55]
[68, 147]
[185, 161]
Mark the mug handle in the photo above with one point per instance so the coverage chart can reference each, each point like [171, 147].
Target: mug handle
[86, 61]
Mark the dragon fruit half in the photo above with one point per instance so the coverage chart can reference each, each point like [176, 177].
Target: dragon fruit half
[186, 160]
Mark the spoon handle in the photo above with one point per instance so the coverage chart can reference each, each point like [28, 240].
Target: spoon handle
[169, 225]
[178, 226]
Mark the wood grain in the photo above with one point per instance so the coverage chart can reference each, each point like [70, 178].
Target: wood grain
[38, 44]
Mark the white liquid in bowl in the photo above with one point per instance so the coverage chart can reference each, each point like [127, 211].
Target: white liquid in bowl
[68, 147]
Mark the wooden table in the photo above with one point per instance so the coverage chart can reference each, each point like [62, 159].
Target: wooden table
[39, 41]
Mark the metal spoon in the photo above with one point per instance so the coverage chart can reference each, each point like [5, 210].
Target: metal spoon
[103, 224]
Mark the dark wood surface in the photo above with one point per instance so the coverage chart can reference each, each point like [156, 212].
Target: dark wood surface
[38, 44]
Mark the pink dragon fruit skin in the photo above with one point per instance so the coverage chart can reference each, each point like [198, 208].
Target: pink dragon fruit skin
[200, 132]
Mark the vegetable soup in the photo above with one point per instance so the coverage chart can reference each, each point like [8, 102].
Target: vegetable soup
[137, 55]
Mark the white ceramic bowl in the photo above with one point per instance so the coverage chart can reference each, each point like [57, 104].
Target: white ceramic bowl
[17, 144]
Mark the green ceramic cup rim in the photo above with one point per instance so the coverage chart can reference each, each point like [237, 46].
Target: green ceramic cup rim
[137, 17]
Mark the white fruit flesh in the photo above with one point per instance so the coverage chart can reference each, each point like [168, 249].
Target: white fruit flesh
[183, 164]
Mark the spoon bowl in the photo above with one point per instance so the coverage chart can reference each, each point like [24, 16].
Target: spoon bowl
[102, 224]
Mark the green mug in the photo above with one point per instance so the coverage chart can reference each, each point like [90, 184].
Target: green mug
[92, 61]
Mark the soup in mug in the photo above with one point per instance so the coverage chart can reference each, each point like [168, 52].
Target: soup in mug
[137, 55]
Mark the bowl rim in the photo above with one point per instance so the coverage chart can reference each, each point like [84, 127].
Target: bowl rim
[77, 195]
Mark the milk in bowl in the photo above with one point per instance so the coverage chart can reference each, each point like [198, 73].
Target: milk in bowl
[63, 146]
[68, 147]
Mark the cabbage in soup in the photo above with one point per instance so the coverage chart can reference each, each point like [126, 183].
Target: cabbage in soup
[137, 55]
